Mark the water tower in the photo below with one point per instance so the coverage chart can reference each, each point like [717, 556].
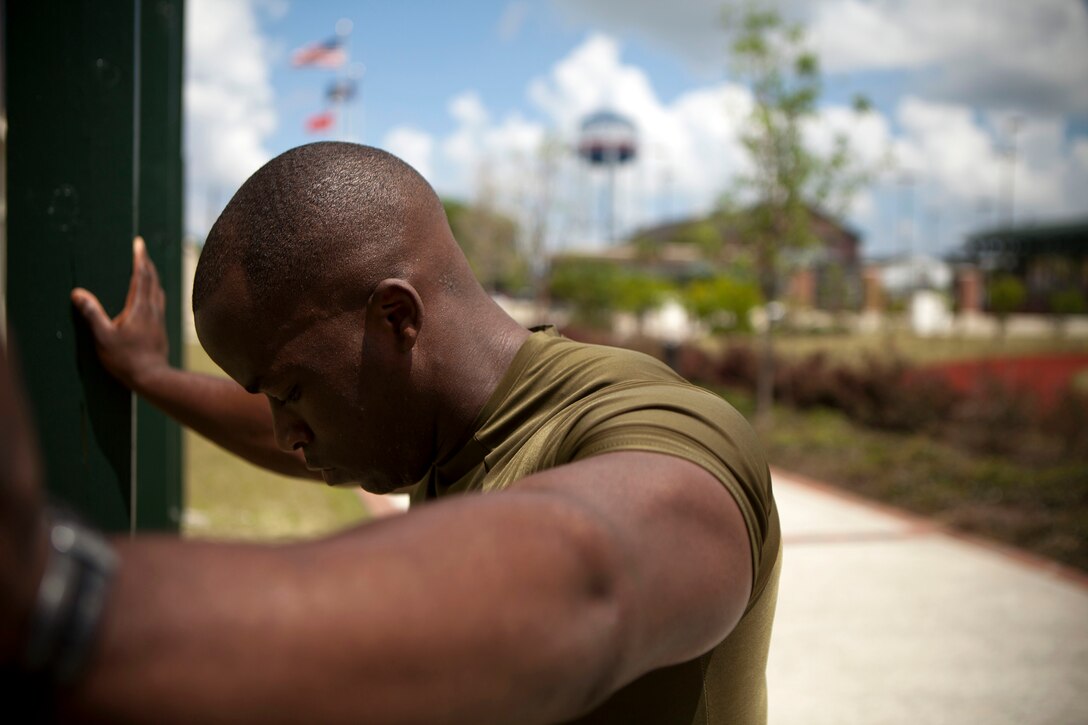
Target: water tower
[608, 139]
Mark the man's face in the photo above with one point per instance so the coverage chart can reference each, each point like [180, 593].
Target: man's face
[339, 397]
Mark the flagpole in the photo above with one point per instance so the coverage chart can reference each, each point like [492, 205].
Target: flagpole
[343, 29]
[362, 106]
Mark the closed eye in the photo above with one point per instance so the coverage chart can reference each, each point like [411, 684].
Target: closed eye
[292, 395]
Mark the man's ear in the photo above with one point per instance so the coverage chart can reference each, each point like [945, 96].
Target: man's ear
[396, 309]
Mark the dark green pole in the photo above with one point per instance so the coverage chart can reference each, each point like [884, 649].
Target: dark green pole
[160, 457]
[93, 150]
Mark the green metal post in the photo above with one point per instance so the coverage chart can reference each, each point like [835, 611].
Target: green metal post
[83, 171]
[159, 457]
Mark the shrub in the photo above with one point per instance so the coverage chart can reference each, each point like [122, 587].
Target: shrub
[1068, 301]
[722, 302]
[990, 418]
[1007, 294]
[887, 394]
[1067, 421]
[995, 418]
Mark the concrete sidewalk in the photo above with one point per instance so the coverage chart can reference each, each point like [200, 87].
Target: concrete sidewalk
[884, 618]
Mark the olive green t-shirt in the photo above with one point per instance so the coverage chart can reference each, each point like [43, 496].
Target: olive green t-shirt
[562, 401]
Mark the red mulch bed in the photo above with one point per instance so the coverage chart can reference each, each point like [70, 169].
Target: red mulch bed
[1046, 377]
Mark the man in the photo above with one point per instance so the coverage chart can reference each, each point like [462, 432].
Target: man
[621, 568]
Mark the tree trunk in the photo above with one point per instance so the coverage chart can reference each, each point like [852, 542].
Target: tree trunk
[765, 369]
[765, 374]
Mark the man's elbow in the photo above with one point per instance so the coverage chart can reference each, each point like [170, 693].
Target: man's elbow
[602, 638]
[637, 624]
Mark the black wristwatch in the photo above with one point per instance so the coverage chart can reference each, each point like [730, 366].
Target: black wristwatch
[71, 596]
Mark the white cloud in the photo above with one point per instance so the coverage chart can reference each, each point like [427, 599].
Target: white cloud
[1051, 171]
[468, 109]
[870, 146]
[954, 173]
[478, 145]
[690, 153]
[851, 34]
[1025, 54]
[592, 77]
[414, 146]
[988, 160]
[229, 111]
[690, 28]
[869, 134]
[691, 141]
[688, 148]
[944, 143]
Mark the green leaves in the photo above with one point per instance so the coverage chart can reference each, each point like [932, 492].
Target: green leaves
[489, 241]
[790, 182]
[722, 302]
[1007, 294]
[596, 288]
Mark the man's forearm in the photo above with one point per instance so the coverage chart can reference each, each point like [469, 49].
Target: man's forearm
[223, 412]
[498, 614]
[526, 606]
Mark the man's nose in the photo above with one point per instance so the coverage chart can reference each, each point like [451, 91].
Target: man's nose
[292, 433]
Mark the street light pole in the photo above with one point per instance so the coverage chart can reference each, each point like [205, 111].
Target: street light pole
[1010, 173]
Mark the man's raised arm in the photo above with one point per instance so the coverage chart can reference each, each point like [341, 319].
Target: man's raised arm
[133, 347]
[527, 606]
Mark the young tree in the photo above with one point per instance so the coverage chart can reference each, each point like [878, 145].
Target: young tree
[788, 181]
[722, 302]
[1064, 303]
[589, 286]
[640, 293]
[489, 240]
[1007, 294]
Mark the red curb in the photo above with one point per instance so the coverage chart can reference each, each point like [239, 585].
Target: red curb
[921, 524]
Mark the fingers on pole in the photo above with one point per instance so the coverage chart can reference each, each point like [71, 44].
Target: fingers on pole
[158, 294]
[92, 311]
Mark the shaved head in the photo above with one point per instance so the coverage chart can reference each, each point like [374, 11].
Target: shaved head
[332, 285]
[321, 214]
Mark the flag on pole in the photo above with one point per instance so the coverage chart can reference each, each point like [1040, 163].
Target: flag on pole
[329, 54]
[342, 90]
[320, 121]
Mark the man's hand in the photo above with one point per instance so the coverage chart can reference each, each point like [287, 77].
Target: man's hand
[22, 542]
[133, 345]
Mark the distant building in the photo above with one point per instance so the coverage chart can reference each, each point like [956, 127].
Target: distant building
[825, 276]
[1048, 259]
[902, 275]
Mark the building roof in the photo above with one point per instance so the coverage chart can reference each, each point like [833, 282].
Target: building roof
[1068, 238]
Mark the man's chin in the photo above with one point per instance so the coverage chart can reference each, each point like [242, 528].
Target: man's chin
[338, 477]
[371, 482]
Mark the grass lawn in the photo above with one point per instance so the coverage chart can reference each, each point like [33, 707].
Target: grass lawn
[227, 498]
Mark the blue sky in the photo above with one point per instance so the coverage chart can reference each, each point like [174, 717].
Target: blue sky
[416, 56]
[469, 92]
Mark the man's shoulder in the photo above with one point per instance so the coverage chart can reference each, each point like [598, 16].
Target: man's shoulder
[613, 364]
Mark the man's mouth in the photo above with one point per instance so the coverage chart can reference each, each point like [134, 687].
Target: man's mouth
[335, 477]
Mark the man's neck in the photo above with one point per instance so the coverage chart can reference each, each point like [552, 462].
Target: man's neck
[482, 346]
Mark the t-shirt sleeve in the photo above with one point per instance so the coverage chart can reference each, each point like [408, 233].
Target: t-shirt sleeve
[695, 425]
